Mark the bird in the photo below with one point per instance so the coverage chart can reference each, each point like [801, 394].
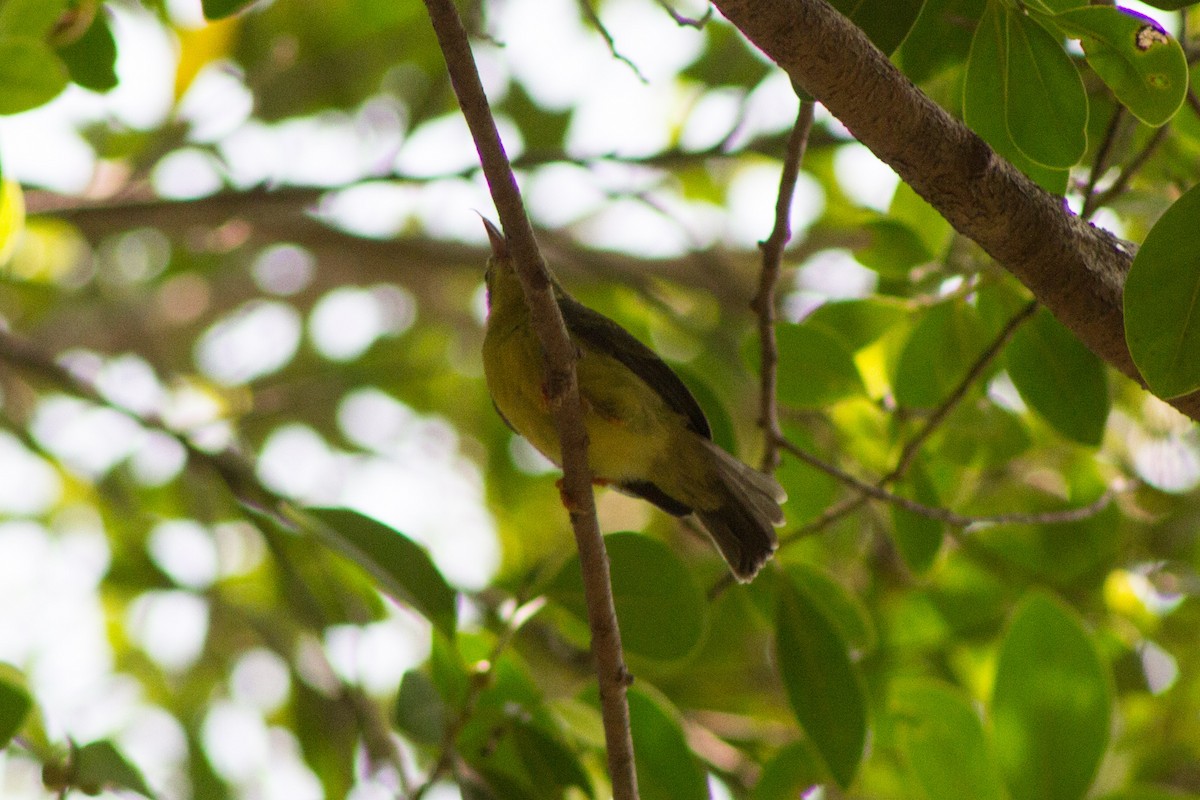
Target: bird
[648, 436]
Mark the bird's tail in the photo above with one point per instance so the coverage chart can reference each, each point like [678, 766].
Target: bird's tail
[743, 526]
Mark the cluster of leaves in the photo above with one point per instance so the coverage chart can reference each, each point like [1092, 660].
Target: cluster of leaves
[886, 652]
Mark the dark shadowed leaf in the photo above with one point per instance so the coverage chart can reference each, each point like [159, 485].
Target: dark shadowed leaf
[666, 768]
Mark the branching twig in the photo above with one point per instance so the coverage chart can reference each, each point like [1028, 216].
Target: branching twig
[764, 301]
[598, 24]
[942, 411]
[1122, 182]
[956, 520]
[686, 22]
[1100, 164]
[561, 388]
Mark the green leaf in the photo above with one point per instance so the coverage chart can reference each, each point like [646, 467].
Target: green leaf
[91, 59]
[100, 765]
[12, 218]
[942, 740]
[1051, 703]
[940, 39]
[825, 689]
[1170, 5]
[728, 60]
[15, 703]
[839, 606]
[789, 774]
[402, 568]
[886, 22]
[660, 608]
[219, 9]
[1059, 378]
[984, 99]
[917, 537]
[1046, 108]
[419, 710]
[1134, 56]
[1162, 301]
[549, 761]
[666, 768]
[30, 18]
[938, 354]
[893, 248]
[858, 323]
[816, 368]
[31, 74]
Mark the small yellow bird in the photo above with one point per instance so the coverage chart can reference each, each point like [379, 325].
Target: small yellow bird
[648, 435]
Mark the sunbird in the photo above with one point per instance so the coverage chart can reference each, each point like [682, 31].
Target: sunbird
[648, 435]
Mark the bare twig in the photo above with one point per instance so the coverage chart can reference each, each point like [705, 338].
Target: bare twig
[942, 411]
[598, 24]
[562, 391]
[686, 22]
[1127, 172]
[956, 520]
[764, 301]
[1100, 164]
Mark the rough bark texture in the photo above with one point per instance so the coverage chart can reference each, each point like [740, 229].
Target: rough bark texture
[1073, 268]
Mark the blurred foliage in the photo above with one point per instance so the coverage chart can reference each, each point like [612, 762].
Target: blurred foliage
[258, 432]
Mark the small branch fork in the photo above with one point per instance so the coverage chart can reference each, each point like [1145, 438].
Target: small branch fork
[562, 391]
[764, 301]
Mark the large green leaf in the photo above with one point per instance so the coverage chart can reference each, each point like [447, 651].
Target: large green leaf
[1162, 301]
[419, 711]
[816, 368]
[660, 608]
[100, 765]
[1060, 378]
[91, 59]
[666, 768]
[824, 687]
[938, 354]
[1045, 104]
[15, 703]
[984, 100]
[402, 568]
[789, 774]
[30, 74]
[1051, 704]
[839, 606]
[30, 18]
[942, 739]
[1143, 65]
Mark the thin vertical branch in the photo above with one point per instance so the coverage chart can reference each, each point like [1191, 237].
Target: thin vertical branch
[562, 391]
[764, 301]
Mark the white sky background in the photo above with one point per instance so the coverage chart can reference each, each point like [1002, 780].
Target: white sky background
[53, 625]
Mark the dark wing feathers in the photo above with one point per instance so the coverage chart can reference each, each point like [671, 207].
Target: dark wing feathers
[603, 335]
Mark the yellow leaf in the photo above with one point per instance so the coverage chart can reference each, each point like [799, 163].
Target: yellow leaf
[200, 46]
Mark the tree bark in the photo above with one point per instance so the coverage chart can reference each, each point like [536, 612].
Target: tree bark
[1073, 268]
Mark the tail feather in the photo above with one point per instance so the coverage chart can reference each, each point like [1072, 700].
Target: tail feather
[743, 527]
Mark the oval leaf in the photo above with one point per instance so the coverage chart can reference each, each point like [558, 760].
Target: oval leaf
[1051, 703]
[942, 739]
[91, 59]
[402, 568]
[789, 774]
[659, 605]
[825, 689]
[1144, 66]
[100, 765]
[30, 74]
[918, 538]
[15, 703]
[666, 768]
[1045, 104]
[984, 103]
[1059, 378]
[816, 368]
[938, 354]
[1162, 301]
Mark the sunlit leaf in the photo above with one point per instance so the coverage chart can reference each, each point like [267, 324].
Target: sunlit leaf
[403, 569]
[30, 74]
[824, 687]
[15, 703]
[815, 367]
[1162, 301]
[1051, 704]
[12, 218]
[938, 354]
[1143, 65]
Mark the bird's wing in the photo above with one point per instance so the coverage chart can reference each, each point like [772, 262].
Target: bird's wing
[601, 334]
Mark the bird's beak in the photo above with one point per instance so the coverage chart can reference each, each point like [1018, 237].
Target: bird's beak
[499, 243]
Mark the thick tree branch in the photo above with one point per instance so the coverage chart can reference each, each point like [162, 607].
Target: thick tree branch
[1075, 270]
[562, 389]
